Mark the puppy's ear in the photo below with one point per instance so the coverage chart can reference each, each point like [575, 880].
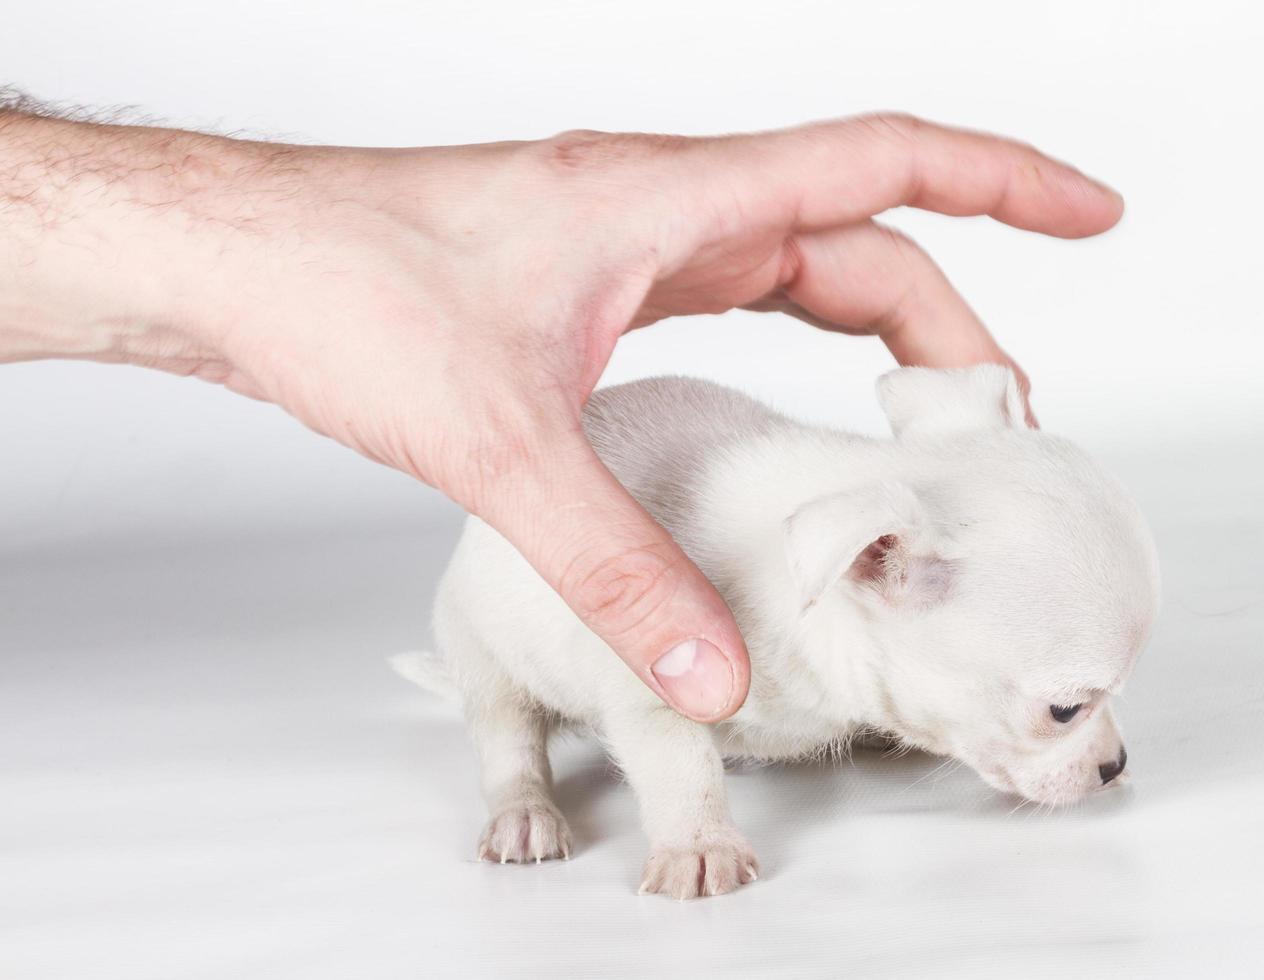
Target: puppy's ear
[877, 541]
[923, 401]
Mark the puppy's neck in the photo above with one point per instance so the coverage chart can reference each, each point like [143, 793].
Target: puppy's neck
[816, 666]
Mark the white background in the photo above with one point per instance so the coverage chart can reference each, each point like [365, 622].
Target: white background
[207, 770]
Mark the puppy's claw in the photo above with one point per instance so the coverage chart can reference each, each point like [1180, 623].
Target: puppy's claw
[720, 862]
[531, 830]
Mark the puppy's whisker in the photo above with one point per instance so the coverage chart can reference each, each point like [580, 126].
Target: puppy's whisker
[956, 764]
[925, 776]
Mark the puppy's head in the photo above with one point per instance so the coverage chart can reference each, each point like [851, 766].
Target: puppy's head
[1006, 582]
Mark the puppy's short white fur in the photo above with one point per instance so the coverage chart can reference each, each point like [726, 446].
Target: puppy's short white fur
[949, 587]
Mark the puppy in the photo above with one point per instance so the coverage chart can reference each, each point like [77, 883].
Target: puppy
[973, 588]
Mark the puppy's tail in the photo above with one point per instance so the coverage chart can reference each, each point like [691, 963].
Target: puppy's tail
[428, 671]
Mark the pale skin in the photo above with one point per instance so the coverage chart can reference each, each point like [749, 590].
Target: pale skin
[447, 310]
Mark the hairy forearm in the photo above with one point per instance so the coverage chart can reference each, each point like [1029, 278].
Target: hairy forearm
[82, 264]
[103, 231]
[152, 246]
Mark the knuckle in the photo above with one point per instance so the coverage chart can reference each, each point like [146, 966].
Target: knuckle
[620, 595]
[900, 135]
[587, 150]
[575, 149]
[898, 126]
[909, 263]
[904, 274]
[901, 244]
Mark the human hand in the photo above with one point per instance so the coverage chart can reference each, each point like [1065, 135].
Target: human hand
[447, 311]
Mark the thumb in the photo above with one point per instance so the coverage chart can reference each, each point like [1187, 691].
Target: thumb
[623, 575]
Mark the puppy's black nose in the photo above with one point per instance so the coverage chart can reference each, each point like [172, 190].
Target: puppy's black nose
[1110, 770]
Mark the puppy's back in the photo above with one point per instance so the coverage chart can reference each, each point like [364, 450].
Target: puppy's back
[657, 435]
[495, 617]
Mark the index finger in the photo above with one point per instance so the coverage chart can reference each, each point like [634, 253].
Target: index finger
[834, 173]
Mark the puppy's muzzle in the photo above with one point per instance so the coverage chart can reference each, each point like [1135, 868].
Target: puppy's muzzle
[1109, 770]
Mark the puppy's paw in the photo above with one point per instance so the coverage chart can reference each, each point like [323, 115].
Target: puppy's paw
[716, 864]
[526, 831]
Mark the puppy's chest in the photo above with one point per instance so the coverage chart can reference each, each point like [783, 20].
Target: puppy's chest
[777, 739]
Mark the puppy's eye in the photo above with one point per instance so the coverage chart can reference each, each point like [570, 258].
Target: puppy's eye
[1064, 713]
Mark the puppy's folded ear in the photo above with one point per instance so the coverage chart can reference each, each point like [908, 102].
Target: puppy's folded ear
[925, 401]
[877, 542]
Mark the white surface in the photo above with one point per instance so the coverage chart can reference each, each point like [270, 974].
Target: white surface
[208, 770]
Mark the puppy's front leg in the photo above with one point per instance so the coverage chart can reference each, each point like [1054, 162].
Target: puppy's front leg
[511, 738]
[678, 777]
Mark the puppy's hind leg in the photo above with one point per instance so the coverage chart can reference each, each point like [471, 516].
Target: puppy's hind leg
[511, 736]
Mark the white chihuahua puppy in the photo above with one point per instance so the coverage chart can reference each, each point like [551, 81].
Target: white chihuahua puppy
[973, 588]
